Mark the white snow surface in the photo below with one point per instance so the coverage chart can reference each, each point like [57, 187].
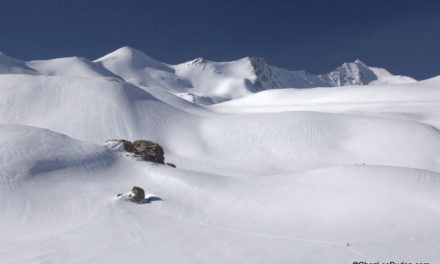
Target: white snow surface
[207, 82]
[322, 175]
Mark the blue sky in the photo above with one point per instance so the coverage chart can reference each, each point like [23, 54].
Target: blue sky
[316, 36]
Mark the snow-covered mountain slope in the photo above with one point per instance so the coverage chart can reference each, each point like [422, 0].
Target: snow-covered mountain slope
[354, 73]
[201, 81]
[10, 65]
[319, 175]
[92, 109]
[70, 67]
[136, 67]
[207, 82]
[27, 151]
[276, 100]
[221, 79]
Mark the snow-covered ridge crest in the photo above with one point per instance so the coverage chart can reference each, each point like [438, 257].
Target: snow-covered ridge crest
[349, 73]
[201, 81]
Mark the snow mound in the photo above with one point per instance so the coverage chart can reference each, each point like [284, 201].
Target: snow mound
[27, 151]
[138, 68]
[297, 141]
[69, 67]
[94, 109]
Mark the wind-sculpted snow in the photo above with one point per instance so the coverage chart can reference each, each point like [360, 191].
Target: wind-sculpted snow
[28, 151]
[92, 109]
[69, 67]
[324, 175]
[296, 141]
[323, 98]
[138, 68]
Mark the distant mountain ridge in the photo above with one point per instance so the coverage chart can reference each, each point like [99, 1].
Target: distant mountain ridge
[200, 81]
[349, 73]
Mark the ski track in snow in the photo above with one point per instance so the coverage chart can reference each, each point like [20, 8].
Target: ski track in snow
[257, 234]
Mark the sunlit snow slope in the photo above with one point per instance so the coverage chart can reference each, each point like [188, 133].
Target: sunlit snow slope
[321, 175]
[206, 82]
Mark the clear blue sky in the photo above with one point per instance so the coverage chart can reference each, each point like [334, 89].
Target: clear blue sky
[316, 36]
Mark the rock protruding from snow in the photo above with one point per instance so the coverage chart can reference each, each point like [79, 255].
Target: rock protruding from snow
[145, 149]
[349, 73]
[214, 82]
[149, 151]
[270, 77]
[138, 194]
[354, 73]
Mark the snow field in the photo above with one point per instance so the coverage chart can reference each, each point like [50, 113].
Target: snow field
[280, 176]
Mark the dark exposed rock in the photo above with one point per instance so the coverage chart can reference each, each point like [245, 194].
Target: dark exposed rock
[150, 151]
[128, 146]
[148, 157]
[138, 194]
[144, 149]
[171, 164]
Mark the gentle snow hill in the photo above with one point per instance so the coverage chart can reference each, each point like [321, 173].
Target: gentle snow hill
[284, 99]
[69, 67]
[419, 102]
[27, 151]
[91, 109]
[266, 143]
[98, 109]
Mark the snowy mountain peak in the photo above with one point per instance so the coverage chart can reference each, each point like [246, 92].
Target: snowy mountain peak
[257, 61]
[199, 60]
[127, 53]
[351, 73]
[130, 58]
[209, 81]
[358, 61]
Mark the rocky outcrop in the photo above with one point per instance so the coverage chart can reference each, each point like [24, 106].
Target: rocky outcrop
[144, 149]
[149, 151]
[137, 194]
